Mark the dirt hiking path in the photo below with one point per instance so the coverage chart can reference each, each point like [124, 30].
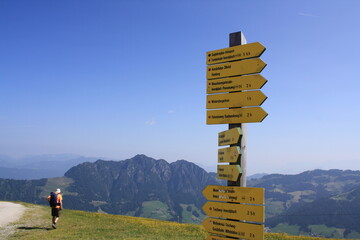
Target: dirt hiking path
[10, 212]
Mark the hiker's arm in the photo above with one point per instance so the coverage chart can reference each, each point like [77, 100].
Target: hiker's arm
[61, 205]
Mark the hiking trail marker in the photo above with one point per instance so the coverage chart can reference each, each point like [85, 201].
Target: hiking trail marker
[216, 238]
[249, 66]
[229, 154]
[237, 99]
[233, 228]
[246, 195]
[243, 212]
[228, 137]
[229, 172]
[235, 53]
[236, 115]
[233, 82]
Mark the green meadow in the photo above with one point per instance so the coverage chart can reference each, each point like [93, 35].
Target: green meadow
[36, 224]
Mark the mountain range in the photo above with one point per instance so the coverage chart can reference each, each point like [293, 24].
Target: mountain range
[317, 203]
[140, 186]
[324, 203]
[39, 166]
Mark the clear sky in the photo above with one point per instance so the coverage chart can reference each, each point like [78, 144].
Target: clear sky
[117, 78]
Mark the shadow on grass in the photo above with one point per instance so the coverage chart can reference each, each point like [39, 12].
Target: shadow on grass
[34, 228]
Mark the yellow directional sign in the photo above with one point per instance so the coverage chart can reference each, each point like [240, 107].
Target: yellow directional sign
[233, 228]
[228, 137]
[246, 195]
[235, 53]
[236, 115]
[229, 172]
[237, 99]
[228, 155]
[243, 67]
[251, 213]
[217, 238]
[233, 84]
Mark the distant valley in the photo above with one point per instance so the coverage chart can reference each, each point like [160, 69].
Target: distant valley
[323, 203]
[39, 166]
[316, 203]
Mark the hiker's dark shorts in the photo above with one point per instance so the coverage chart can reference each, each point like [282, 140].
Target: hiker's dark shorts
[55, 212]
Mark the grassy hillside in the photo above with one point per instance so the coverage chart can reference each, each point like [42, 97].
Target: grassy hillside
[36, 224]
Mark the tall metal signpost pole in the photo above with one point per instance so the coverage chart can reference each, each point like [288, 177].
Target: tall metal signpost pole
[236, 39]
[234, 98]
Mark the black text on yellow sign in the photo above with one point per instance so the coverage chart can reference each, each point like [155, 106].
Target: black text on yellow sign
[239, 52]
[237, 99]
[229, 172]
[251, 213]
[228, 137]
[233, 228]
[233, 84]
[242, 67]
[236, 115]
[229, 154]
[216, 238]
[247, 195]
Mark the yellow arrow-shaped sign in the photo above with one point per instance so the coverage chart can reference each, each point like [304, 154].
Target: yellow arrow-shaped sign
[243, 67]
[246, 195]
[242, 212]
[233, 228]
[210, 237]
[237, 99]
[229, 137]
[229, 172]
[250, 50]
[228, 155]
[233, 84]
[236, 115]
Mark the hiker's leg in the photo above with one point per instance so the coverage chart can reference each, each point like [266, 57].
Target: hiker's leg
[56, 215]
[53, 215]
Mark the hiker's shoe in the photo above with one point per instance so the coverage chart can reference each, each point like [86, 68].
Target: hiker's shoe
[54, 225]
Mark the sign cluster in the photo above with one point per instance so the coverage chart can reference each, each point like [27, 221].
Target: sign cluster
[234, 212]
[236, 81]
[233, 83]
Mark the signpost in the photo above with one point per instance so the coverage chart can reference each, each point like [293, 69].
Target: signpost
[229, 154]
[236, 115]
[246, 195]
[249, 66]
[237, 99]
[232, 84]
[228, 172]
[251, 213]
[230, 74]
[233, 228]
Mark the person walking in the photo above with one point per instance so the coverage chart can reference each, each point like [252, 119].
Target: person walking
[55, 200]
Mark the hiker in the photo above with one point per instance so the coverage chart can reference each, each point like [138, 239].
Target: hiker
[55, 200]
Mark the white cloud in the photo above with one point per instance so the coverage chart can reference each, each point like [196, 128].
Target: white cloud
[151, 122]
[307, 14]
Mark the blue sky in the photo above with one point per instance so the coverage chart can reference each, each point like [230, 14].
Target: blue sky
[113, 79]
